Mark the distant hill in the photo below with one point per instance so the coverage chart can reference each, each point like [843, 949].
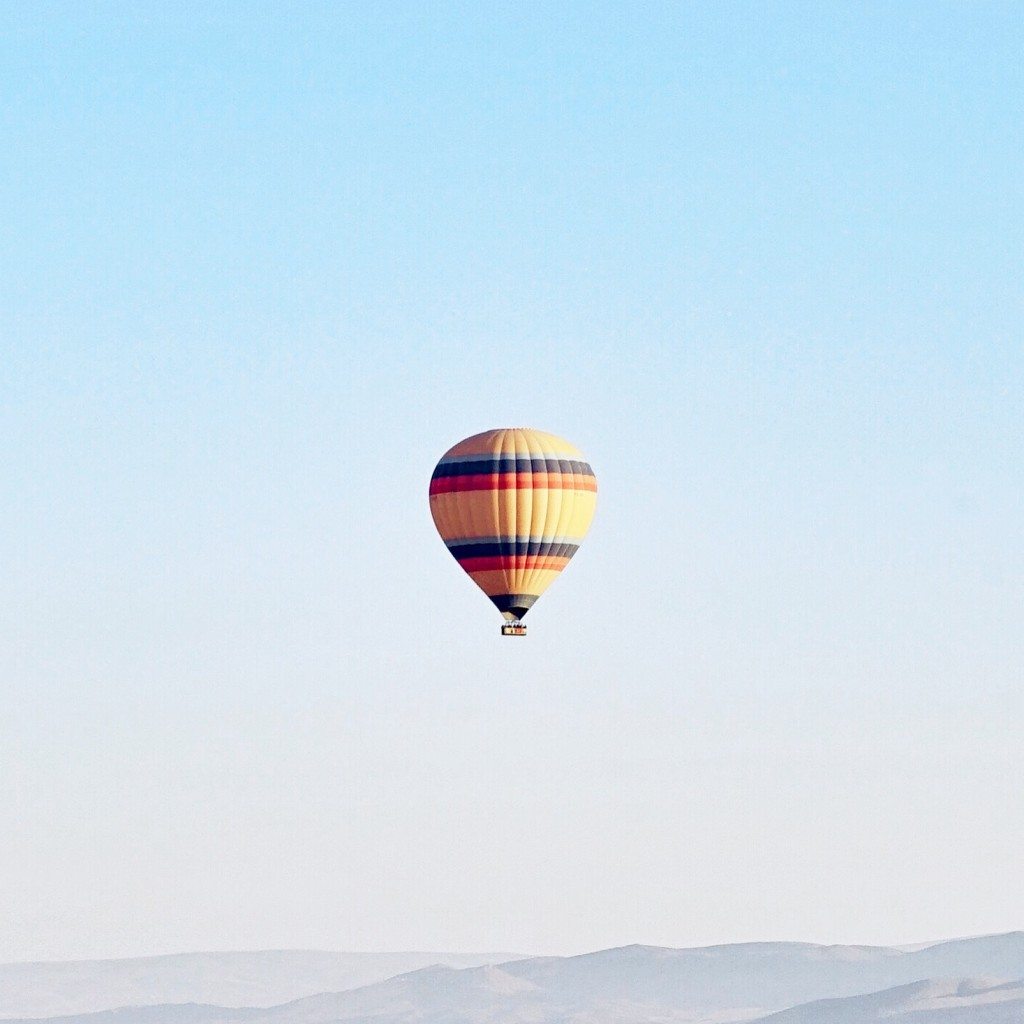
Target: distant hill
[226, 979]
[966, 1001]
[780, 983]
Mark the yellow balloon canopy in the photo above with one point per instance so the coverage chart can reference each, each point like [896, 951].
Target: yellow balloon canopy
[512, 506]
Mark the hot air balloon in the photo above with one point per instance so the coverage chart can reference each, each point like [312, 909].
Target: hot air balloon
[512, 506]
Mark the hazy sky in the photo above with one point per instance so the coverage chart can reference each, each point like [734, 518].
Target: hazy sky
[263, 263]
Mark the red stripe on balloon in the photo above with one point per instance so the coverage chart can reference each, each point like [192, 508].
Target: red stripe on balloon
[513, 481]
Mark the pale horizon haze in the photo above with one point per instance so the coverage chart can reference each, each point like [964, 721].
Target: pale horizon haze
[262, 264]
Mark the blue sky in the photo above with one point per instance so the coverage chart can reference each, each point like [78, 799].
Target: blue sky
[262, 264]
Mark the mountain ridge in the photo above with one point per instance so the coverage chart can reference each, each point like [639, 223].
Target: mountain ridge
[48, 988]
[640, 984]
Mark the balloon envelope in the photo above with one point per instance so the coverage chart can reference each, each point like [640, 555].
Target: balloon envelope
[512, 506]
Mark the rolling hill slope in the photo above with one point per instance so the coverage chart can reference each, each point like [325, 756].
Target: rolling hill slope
[226, 979]
[784, 983]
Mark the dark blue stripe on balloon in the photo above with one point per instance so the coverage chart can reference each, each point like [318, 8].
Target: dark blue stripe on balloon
[518, 604]
[513, 547]
[511, 465]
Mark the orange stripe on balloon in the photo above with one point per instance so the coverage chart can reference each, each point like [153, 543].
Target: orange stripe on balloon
[513, 562]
